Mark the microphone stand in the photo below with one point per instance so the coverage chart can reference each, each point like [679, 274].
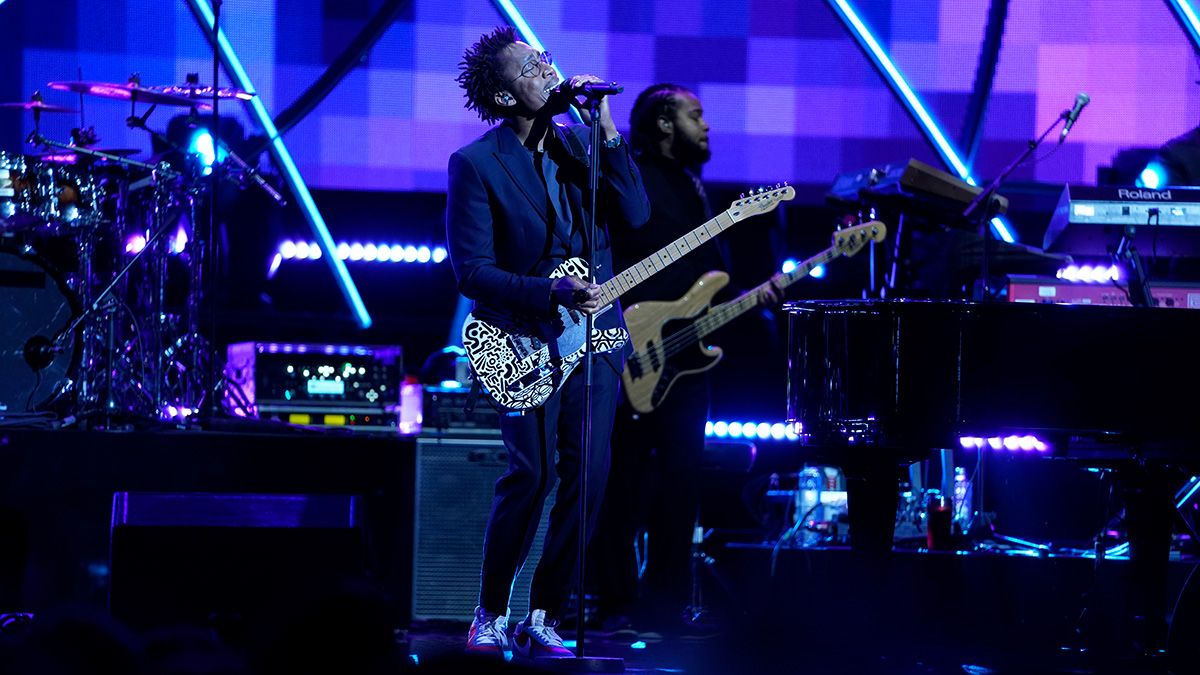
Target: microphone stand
[582, 662]
[981, 292]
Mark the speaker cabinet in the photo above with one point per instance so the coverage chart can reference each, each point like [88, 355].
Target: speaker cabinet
[456, 480]
[183, 558]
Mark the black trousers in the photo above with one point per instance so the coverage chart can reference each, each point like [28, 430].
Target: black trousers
[532, 440]
[653, 488]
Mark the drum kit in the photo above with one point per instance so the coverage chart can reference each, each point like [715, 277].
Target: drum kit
[102, 260]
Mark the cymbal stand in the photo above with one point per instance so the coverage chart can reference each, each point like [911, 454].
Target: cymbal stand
[103, 364]
[192, 342]
[160, 171]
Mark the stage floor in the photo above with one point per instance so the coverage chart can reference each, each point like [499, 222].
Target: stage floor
[822, 610]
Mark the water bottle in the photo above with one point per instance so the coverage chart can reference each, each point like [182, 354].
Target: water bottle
[962, 498]
[808, 504]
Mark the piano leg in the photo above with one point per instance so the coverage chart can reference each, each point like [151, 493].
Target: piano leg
[872, 492]
[1149, 515]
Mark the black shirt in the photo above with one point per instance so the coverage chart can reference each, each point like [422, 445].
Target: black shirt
[1181, 158]
[676, 208]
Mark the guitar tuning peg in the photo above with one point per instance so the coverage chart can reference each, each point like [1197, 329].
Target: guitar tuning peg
[743, 196]
[785, 183]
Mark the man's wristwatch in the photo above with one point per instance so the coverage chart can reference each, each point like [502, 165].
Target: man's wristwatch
[614, 142]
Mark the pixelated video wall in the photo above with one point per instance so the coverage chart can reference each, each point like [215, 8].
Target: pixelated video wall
[787, 91]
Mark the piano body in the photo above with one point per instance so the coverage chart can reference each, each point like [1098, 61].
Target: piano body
[878, 384]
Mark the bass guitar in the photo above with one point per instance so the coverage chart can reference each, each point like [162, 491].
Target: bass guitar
[668, 335]
[520, 362]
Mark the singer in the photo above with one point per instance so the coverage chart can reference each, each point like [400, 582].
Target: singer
[514, 212]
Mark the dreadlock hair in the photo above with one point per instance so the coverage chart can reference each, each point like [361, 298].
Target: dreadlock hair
[481, 75]
[657, 100]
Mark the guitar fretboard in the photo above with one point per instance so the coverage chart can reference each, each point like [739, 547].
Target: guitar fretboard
[648, 267]
[724, 313]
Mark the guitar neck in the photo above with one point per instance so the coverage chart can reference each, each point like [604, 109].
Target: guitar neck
[728, 311]
[658, 261]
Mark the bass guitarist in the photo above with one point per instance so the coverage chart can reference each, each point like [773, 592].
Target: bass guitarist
[669, 136]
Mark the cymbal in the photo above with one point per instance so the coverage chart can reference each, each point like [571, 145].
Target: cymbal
[125, 91]
[37, 105]
[203, 91]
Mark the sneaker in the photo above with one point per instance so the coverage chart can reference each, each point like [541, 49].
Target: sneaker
[618, 628]
[488, 634]
[537, 639]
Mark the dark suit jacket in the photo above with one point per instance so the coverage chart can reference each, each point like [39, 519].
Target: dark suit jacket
[498, 228]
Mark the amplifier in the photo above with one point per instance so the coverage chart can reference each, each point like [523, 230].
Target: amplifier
[354, 386]
[1023, 288]
[456, 480]
[444, 412]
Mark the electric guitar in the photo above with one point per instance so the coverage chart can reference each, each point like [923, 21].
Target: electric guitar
[521, 362]
[667, 335]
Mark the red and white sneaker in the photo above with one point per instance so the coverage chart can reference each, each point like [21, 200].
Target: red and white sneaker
[537, 639]
[488, 634]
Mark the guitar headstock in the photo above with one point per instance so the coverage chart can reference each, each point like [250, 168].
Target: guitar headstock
[851, 240]
[759, 201]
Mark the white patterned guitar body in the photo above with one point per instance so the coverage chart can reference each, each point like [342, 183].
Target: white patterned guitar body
[520, 364]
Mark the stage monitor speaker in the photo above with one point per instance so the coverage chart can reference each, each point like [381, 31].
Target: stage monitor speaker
[187, 558]
[456, 480]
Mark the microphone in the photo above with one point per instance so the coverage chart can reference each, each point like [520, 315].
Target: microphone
[1073, 114]
[588, 89]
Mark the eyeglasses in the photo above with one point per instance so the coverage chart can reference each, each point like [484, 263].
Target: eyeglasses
[534, 67]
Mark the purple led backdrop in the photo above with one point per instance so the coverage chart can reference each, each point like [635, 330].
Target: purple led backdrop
[788, 93]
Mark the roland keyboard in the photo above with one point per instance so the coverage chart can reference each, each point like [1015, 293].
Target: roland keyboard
[1091, 220]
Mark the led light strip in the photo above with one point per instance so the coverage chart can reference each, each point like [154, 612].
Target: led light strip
[777, 431]
[1088, 274]
[204, 14]
[1026, 442]
[356, 252]
[910, 100]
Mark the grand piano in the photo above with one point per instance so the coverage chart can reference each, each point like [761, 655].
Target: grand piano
[876, 384]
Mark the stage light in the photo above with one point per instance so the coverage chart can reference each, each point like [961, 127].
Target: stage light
[788, 267]
[817, 272]
[179, 241]
[201, 145]
[135, 243]
[202, 10]
[883, 61]
[1153, 176]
